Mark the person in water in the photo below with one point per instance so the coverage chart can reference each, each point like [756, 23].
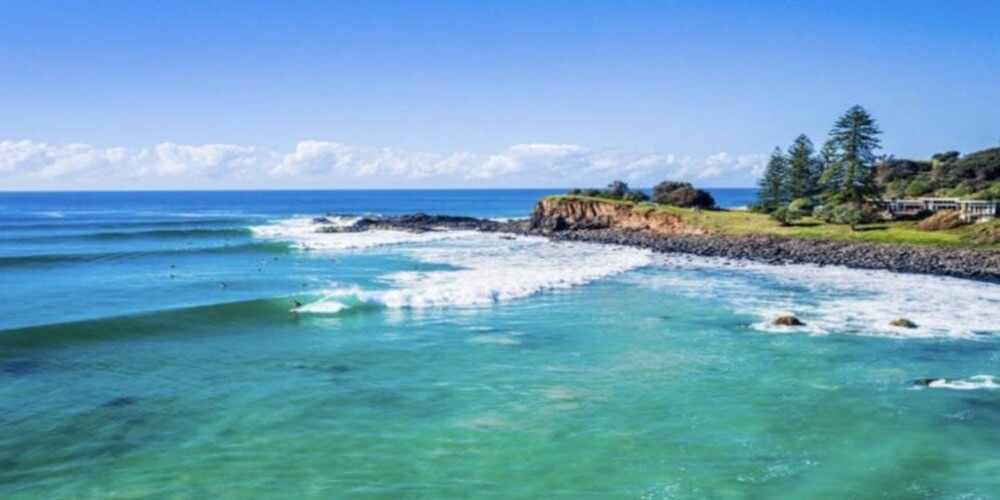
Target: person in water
[296, 305]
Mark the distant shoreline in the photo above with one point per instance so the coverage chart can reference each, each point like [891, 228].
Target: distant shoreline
[606, 223]
[981, 265]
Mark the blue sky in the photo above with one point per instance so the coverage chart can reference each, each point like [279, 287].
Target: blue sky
[230, 94]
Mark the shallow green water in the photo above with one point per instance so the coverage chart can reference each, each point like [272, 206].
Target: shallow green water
[595, 391]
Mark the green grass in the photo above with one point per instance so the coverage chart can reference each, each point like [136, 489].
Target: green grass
[744, 223]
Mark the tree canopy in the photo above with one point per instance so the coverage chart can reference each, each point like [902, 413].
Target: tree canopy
[681, 194]
[843, 170]
[773, 192]
[854, 140]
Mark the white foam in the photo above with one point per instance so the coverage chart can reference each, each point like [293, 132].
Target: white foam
[836, 299]
[969, 384]
[322, 307]
[490, 269]
[496, 270]
[301, 232]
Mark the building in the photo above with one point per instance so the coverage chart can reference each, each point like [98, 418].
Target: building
[970, 210]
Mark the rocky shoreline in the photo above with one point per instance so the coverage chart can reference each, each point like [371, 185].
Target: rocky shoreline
[956, 262]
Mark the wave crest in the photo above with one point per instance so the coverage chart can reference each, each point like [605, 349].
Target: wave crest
[836, 299]
[486, 269]
[301, 233]
[970, 384]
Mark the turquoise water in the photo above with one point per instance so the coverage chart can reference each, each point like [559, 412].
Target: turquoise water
[147, 349]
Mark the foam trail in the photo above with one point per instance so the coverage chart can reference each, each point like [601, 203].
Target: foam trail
[969, 384]
[301, 232]
[836, 299]
[494, 270]
[490, 270]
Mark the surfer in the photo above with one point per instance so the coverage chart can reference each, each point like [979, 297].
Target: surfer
[296, 305]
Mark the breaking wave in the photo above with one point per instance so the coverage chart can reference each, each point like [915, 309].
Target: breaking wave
[836, 299]
[301, 232]
[970, 384]
[485, 269]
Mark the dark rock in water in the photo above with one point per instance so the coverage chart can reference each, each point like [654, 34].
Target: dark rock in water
[926, 382]
[421, 223]
[903, 323]
[120, 402]
[321, 220]
[788, 321]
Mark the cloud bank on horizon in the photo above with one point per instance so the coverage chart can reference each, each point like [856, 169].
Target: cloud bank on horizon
[27, 164]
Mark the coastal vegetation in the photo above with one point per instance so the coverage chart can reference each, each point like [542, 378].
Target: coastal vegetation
[678, 194]
[836, 184]
[833, 193]
[949, 174]
[842, 183]
[744, 223]
[617, 190]
[681, 194]
[741, 222]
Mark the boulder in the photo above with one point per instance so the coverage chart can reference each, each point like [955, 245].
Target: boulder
[788, 321]
[903, 323]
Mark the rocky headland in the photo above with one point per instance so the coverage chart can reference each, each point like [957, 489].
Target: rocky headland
[574, 219]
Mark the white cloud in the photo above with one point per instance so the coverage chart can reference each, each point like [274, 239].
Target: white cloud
[331, 164]
[209, 160]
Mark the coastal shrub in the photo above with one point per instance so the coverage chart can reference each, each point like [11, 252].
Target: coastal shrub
[786, 215]
[636, 197]
[990, 193]
[918, 187]
[984, 233]
[848, 213]
[616, 190]
[802, 205]
[941, 221]
[590, 192]
[681, 194]
[824, 213]
[945, 157]
[574, 191]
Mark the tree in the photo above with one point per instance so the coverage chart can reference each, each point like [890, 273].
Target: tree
[824, 213]
[786, 215]
[617, 190]
[636, 197]
[855, 139]
[848, 214]
[681, 194]
[803, 169]
[773, 192]
[917, 187]
[832, 175]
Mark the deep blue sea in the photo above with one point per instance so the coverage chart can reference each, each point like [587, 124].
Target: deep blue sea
[150, 347]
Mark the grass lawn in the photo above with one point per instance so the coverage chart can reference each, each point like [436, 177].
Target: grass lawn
[742, 222]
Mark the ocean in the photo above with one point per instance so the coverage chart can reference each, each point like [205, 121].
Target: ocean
[148, 348]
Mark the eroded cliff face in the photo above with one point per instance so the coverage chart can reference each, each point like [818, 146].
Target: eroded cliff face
[561, 214]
